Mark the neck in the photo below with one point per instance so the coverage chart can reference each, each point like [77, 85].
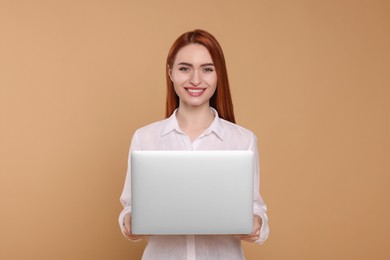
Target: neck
[194, 121]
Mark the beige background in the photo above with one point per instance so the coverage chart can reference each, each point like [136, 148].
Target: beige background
[310, 78]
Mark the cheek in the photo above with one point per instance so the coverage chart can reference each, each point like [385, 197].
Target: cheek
[178, 78]
[212, 81]
[214, 88]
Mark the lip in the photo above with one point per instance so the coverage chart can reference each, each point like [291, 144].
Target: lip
[195, 92]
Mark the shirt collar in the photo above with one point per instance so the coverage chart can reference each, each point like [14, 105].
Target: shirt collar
[173, 125]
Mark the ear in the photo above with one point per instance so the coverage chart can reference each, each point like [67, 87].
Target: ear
[170, 73]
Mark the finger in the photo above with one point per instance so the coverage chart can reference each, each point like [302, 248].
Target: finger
[127, 224]
[135, 238]
[251, 237]
[127, 229]
[248, 240]
[256, 230]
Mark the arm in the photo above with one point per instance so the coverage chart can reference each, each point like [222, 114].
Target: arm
[125, 215]
[260, 221]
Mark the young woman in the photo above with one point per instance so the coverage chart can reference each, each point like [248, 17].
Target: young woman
[200, 116]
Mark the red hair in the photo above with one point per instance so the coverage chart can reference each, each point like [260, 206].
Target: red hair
[221, 100]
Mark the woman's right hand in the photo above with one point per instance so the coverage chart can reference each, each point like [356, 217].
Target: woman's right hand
[127, 230]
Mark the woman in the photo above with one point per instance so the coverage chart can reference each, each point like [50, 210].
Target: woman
[200, 116]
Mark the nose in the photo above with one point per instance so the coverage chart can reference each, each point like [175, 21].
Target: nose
[195, 78]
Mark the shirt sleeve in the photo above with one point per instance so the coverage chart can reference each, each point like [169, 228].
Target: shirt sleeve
[125, 198]
[259, 207]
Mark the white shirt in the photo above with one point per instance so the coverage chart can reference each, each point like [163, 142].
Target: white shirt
[220, 135]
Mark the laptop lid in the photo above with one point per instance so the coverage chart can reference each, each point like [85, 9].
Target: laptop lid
[192, 192]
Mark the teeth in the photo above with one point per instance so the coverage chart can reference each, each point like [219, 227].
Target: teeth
[195, 90]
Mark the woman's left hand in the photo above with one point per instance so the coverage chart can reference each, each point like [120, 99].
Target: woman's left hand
[252, 237]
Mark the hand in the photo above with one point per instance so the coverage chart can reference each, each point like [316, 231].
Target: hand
[252, 237]
[127, 230]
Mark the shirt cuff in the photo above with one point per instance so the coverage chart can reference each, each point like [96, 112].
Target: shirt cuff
[121, 218]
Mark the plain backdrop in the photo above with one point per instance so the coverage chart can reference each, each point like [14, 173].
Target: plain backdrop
[310, 78]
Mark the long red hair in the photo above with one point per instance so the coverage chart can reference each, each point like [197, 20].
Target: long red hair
[221, 100]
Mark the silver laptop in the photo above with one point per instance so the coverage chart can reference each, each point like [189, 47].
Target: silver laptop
[192, 192]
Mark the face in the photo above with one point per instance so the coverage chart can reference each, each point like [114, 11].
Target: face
[193, 75]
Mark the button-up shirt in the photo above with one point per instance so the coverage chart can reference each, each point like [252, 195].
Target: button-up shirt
[220, 135]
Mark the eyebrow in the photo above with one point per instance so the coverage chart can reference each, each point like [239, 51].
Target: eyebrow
[190, 65]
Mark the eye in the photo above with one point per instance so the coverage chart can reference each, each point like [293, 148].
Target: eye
[184, 68]
[208, 69]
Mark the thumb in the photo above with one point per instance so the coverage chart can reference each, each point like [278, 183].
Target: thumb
[127, 223]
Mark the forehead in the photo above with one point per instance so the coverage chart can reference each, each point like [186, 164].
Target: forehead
[194, 54]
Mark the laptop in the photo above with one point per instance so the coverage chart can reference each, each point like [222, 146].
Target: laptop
[192, 192]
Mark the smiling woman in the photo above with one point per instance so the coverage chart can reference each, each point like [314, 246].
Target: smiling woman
[200, 116]
[222, 100]
[193, 76]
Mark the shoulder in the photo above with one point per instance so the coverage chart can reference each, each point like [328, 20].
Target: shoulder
[234, 131]
[149, 137]
[151, 129]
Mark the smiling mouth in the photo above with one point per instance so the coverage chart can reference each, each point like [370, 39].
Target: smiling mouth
[195, 91]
